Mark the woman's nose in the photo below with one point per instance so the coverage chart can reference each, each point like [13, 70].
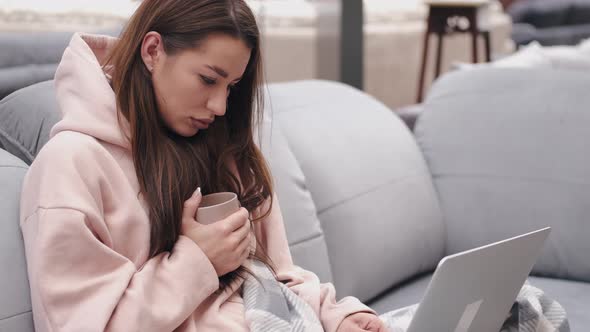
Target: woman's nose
[217, 103]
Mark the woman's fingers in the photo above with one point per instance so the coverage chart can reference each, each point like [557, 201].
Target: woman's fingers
[189, 209]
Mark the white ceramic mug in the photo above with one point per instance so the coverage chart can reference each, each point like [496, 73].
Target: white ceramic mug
[217, 206]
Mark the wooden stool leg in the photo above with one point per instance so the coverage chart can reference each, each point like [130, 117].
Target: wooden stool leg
[486, 36]
[474, 29]
[439, 54]
[423, 67]
[474, 46]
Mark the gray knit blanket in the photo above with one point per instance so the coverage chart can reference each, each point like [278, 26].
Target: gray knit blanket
[272, 306]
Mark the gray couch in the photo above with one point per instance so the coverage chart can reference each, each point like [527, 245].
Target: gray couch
[29, 58]
[550, 22]
[371, 207]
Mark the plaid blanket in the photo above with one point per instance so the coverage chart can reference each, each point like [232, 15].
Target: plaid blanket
[533, 311]
[272, 306]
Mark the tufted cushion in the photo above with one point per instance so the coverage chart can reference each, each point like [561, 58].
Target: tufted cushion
[304, 233]
[508, 150]
[369, 182]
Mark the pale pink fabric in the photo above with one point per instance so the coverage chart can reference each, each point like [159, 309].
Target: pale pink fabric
[86, 229]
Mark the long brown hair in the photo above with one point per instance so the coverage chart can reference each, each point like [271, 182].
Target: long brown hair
[170, 167]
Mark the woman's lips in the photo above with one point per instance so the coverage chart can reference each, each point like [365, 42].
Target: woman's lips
[200, 123]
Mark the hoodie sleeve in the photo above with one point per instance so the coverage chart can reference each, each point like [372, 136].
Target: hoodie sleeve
[80, 278]
[79, 284]
[270, 232]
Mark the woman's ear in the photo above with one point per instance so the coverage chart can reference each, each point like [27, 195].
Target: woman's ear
[152, 50]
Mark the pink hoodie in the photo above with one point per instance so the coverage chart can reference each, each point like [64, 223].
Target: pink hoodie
[87, 232]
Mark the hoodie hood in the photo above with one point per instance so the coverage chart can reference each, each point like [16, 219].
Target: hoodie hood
[86, 100]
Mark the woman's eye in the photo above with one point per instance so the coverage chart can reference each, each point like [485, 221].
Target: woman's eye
[207, 80]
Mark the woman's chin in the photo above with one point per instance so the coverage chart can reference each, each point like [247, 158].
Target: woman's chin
[187, 132]
[191, 134]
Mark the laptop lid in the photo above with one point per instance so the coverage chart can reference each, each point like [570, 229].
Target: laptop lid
[473, 291]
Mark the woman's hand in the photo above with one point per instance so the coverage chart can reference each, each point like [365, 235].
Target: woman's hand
[361, 322]
[226, 243]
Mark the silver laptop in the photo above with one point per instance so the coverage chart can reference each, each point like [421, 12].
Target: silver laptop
[473, 291]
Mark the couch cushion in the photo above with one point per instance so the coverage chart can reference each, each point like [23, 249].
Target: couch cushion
[304, 233]
[573, 296]
[25, 48]
[15, 302]
[14, 78]
[28, 58]
[41, 47]
[403, 295]
[509, 153]
[26, 117]
[369, 182]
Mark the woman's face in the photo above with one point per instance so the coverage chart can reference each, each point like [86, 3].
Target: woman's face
[192, 86]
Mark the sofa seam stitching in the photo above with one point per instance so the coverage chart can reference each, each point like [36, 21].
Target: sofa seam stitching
[16, 315]
[20, 147]
[309, 238]
[370, 190]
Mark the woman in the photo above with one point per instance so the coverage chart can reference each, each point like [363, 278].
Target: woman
[108, 205]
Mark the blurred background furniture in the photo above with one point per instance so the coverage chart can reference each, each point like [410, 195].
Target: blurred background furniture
[32, 41]
[448, 17]
[550, 22]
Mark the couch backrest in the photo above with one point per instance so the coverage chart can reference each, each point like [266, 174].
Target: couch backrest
[509, 153]
[15, 302]
[304, 232]
[28, 58]
[370, 186]
[26, 117]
